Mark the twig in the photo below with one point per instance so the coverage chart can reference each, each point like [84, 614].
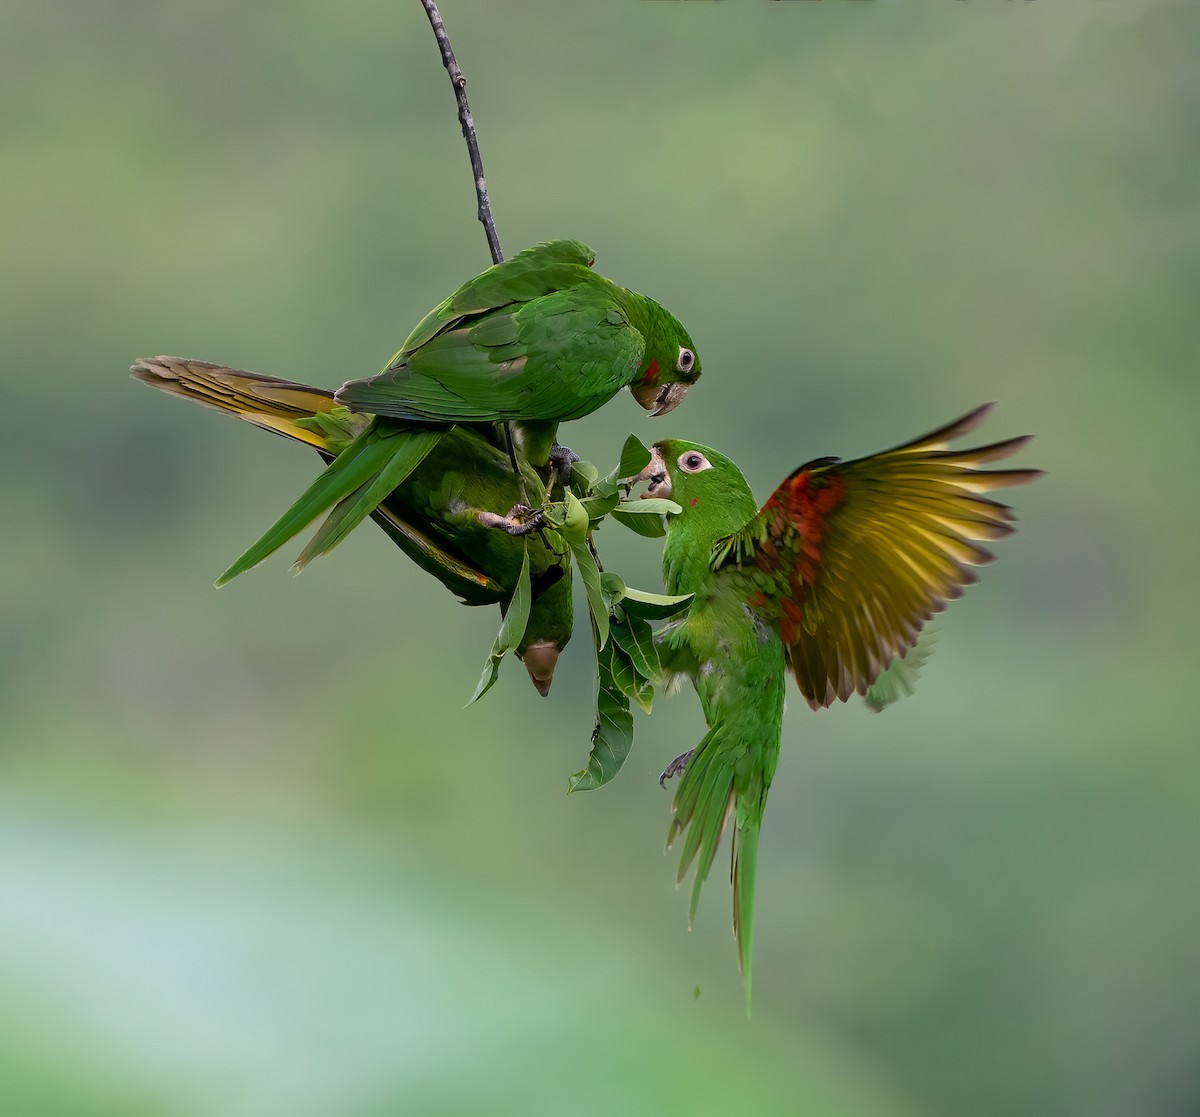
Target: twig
[468, 126]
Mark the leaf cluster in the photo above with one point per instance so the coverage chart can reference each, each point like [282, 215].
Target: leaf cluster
[627, 664]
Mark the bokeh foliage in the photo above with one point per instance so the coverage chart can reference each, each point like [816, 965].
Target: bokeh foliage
[256, 859]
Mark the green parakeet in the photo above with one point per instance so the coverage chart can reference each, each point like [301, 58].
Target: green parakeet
[439, 515]
[831, 580]
[533, 341]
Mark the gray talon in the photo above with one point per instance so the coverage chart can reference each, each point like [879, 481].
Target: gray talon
[675, 767]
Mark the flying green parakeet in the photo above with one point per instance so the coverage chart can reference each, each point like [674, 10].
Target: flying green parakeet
[832, 580]
[441, 515]
[532, 341]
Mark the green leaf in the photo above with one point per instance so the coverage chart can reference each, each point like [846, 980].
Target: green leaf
[491, 669]
[634, 458]
[512, 629]
[589, 574]
[625, 675]
[654, 606]
[583, 476]
[612, 586]
[597, 507]
[649, 506]
[606, 487]
[555, 514]
[612, 737]
[517, 617]
[575, 524]
[637, 641]
[651, 527]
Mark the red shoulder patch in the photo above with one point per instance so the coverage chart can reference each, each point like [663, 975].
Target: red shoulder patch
[810, 499]
[802, 505]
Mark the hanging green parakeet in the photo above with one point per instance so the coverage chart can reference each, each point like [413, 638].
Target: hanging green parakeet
[533, 341]
[831, 580]
[439, 516]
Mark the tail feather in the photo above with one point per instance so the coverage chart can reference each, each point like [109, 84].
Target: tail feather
[368, 457]
[311, 416]
[356, 506]
[266, 401]
[701, 808]
[743, 870]
[707, 798]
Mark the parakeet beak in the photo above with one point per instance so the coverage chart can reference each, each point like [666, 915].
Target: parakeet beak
[658, 399]
[656, 474]
[540, 659]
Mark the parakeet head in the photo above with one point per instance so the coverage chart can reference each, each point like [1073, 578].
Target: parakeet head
[706, 485]
[714, 501]
[670, 365]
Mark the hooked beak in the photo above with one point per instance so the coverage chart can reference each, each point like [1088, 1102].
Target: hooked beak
[540, 659]
[656, 474]
[658, 399]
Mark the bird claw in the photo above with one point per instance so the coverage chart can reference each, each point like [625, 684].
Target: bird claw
[562, 456]
[521, 520]
[675, 767]
[559, 466]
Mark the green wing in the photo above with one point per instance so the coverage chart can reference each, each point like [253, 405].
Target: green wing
[850, 559]
[536, 271]
[558, 357]
[899, 679]
[309, 415]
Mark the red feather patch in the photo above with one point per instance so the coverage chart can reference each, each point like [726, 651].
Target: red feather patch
[810, 499]
[799, 509]
[651, 372]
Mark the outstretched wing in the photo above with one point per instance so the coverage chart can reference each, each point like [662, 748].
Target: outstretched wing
[850, 559]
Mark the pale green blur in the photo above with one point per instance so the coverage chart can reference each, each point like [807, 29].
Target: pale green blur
[256, 860]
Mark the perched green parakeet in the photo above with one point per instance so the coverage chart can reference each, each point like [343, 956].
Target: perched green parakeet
[440, 515]
[533, 341]
[831, 580]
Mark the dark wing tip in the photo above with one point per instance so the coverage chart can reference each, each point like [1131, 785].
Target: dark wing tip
[815, 463]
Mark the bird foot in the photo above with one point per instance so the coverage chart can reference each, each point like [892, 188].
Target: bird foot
[521, 520]
[675, 767]
[562, 457]
[559, 467]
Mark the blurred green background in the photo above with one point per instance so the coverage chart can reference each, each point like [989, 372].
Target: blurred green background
[255, 859]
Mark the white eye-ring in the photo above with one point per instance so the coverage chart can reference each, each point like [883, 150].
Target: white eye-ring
[686, 359]
[692, 461]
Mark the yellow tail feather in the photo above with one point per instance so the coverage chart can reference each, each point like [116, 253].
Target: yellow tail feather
[266, 401]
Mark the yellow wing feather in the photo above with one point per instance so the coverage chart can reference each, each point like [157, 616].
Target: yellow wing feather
[860, 554]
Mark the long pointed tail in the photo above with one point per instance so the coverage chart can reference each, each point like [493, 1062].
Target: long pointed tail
[281, 406]
[706, 799]
[368, 463]
[349, 489]
[743, 871]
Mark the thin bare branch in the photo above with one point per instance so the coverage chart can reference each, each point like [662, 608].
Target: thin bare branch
[468, 126]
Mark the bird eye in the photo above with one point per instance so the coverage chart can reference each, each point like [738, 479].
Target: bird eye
[686, 359]
[692, 461]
